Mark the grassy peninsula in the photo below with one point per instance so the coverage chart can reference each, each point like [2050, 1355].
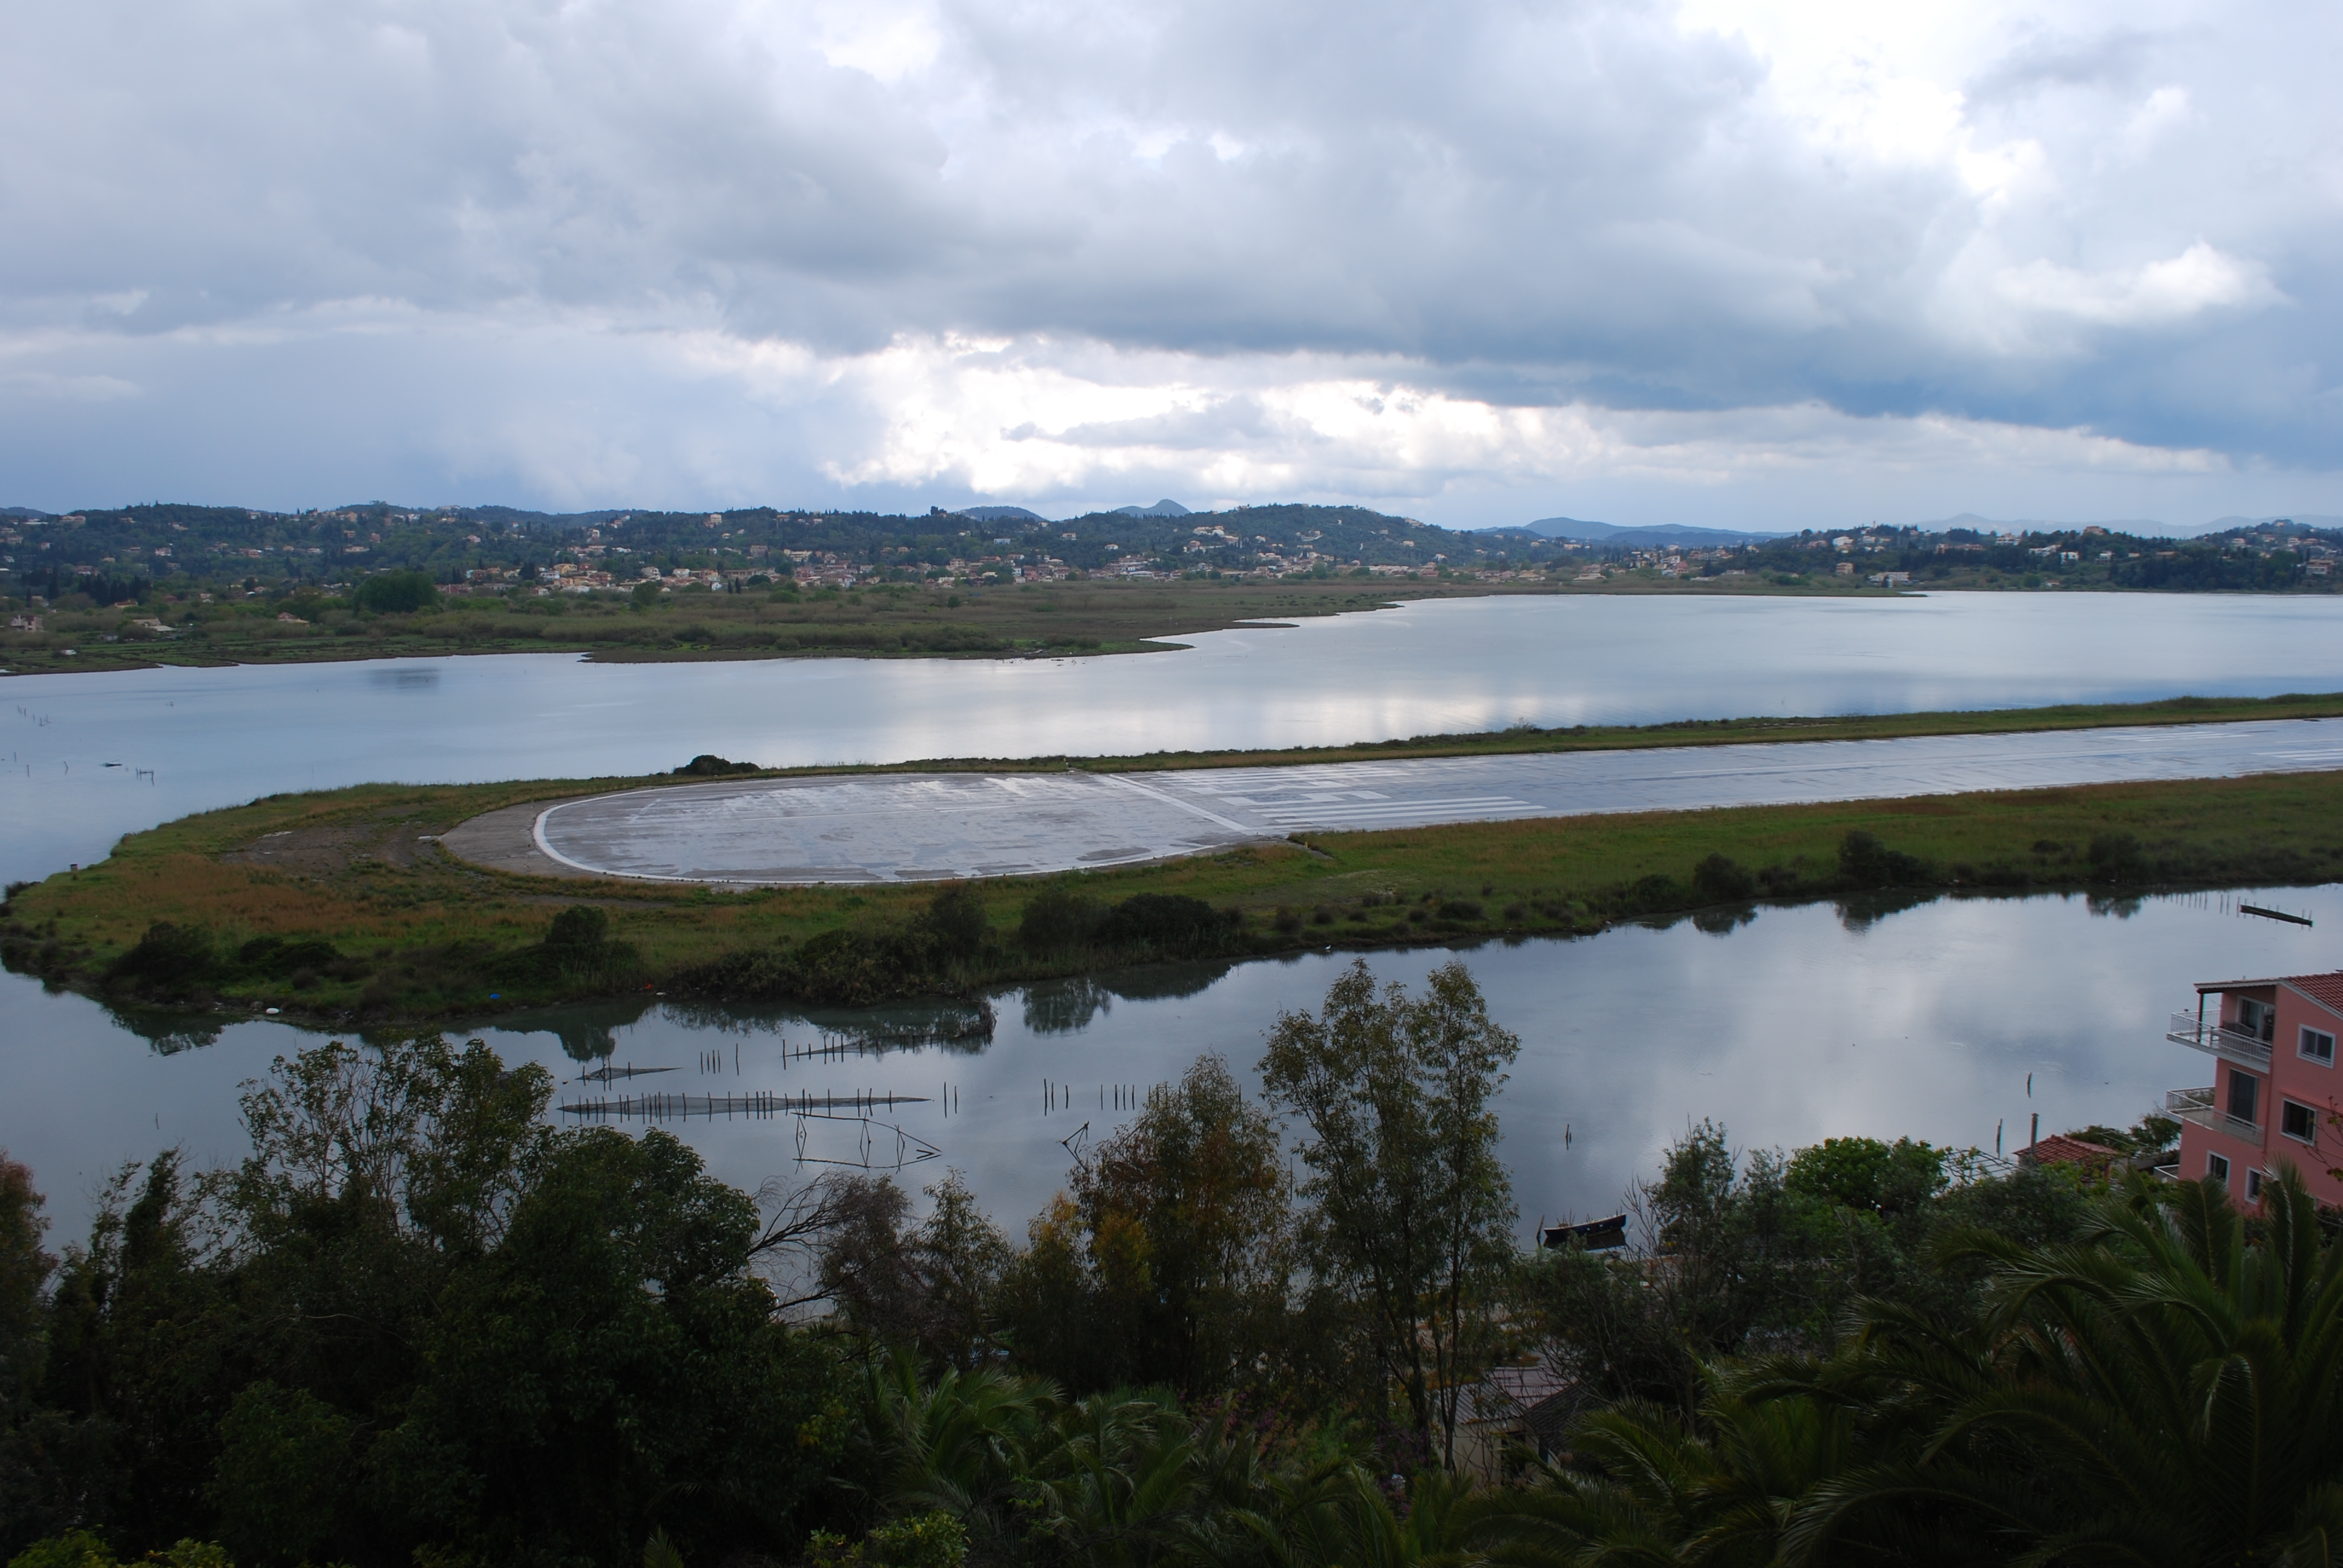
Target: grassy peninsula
[342, 905]
[878, 620]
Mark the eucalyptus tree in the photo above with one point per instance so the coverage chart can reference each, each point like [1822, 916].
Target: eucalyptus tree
[1167, 1256]
[1410, 1210]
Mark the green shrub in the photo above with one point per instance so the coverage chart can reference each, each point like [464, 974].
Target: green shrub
[1166, 923]
[1864, 862]
[80, 1549]
[1866, 1173]
[396, 593]
[273, 957]
[923, 1541]
[282, 1468]
[1721, 880]
[1656, 894]
[73, 1549]
[854, 969]
[579, 928]
[2116, 858]
[167, 959]
[1059, 921]
[934, 1540]
[955, 924]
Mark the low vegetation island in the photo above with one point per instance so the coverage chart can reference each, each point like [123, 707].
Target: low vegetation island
[342, 905]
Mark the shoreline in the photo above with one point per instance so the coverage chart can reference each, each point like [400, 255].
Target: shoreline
[347, 908]
[1069, 620]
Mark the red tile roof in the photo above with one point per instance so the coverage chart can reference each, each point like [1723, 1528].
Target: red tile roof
[2060, 1149]
[2326, 987]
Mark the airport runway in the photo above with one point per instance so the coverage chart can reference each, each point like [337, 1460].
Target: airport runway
[925, 827]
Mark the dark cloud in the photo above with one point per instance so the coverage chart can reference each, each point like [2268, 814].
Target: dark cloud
[1534, 205]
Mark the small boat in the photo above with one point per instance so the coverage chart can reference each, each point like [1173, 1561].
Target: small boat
[1594, 1235]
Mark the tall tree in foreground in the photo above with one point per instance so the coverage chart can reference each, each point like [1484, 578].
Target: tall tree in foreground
[1167, 1259]
[1412, 1210]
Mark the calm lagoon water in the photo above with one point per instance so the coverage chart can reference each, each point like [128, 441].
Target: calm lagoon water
[1801, 1024]
[1953, 1020]
[215, 737]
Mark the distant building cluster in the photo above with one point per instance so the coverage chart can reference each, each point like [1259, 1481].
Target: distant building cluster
[142, 557]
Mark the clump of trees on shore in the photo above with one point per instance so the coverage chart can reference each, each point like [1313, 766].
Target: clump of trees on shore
[418, 1325]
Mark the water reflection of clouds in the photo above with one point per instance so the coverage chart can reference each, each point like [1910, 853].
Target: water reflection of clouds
[1799, 1025]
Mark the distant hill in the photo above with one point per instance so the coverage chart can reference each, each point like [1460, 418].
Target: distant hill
[558, 521]
[1656, 534]
[1163, 508]
[1570, 529]
[2143, 527]
[2299, 520]
[2139, 528]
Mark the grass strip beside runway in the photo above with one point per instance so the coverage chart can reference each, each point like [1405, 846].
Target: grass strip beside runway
[357, 916]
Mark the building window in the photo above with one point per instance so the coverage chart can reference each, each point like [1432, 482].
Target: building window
[2256, 1019]
[2318, 1045]
[2216, 1166]
[2297, 1121]
[2252, 1186]
[2245, 1097]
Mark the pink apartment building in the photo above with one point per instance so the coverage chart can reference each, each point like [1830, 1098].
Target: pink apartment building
[2275, 1098]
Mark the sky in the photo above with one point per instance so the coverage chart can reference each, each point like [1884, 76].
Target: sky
[1733, 265]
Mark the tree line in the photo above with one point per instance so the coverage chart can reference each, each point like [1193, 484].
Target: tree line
[416, 1324]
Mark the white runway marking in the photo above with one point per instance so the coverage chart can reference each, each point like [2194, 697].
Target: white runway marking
[914, 827]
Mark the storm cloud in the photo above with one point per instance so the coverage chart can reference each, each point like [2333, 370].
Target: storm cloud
[1484, 259]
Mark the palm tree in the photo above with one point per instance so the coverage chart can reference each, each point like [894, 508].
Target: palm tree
[1644, 1487]
[2162, 1390]
[1116, 1479]
[959, 1445]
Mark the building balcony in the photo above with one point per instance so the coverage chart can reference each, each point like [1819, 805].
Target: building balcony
[2218, 1039]
[2197, 1105]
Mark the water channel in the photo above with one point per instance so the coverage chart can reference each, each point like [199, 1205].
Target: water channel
[1954, 1020]
[85, 758]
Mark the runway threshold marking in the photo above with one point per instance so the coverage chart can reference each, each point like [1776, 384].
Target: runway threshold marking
[1173, 800]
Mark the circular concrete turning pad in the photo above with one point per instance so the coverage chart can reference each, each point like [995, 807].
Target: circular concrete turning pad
[877, 827]
[928, 827]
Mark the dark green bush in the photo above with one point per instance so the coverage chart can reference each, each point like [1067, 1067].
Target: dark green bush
[1721, 880]
[1652, 895]
[1166, 923]
[2116, 858]
[955, 924]
[168, 959]
[396, 593]
[581, 928]
[1059, 921]
[853, 968]
[1866, 1173]
[1864, 862]
[707, 765]
[273, 957]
